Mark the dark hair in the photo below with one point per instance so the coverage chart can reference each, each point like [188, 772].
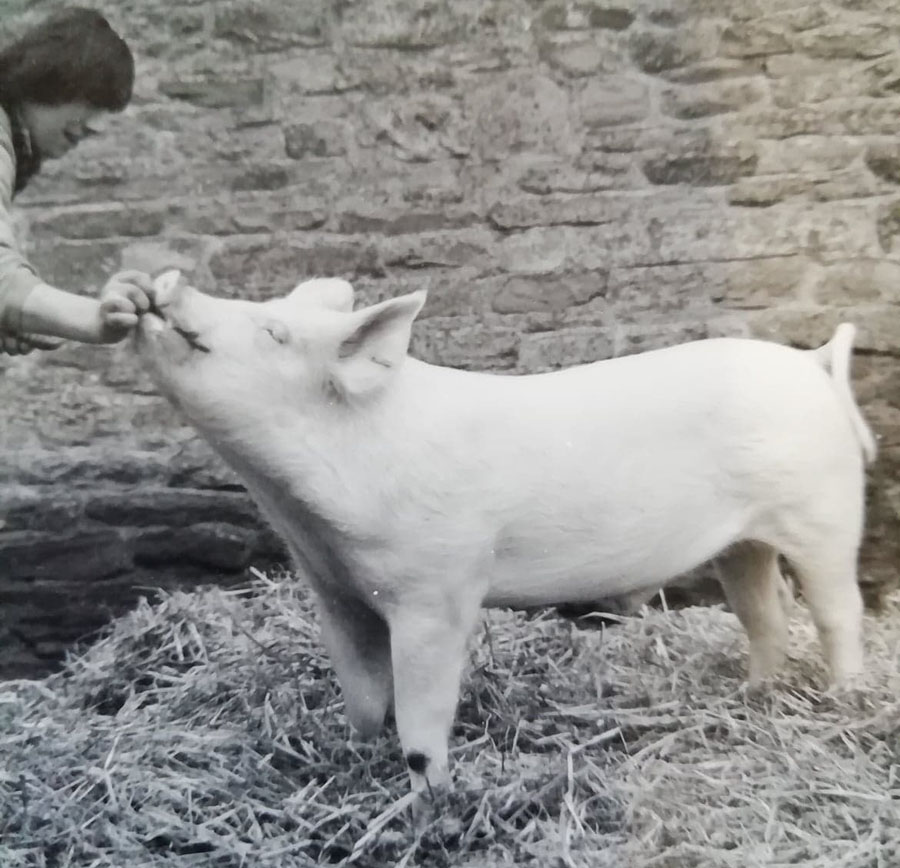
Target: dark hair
[72, 56]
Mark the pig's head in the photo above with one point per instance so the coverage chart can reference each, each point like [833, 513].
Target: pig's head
[232, 364]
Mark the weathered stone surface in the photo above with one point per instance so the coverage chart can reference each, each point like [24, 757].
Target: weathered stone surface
[808, 154]
[612, 100]
[24, 507]
[492, 154]
[102, 221]
[755, 38]
[271, 25]
[550, 351]
[520, 113]
[256, 268]
[864, 40]
[316, 140]
[212, 93]
[888, 225]
[761, 192]
[401, 25]
[214, 545]
[583, 55]
[716, 69]
[657, 50]
[860, 282]
[470, 344]
[526, 294]
[85, 556]
[883, 158]
[85, 465]
[591, 173]
[698, 101]
[713, 168]
[813, 325]
[149, 507]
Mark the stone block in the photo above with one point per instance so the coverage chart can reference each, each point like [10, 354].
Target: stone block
[592, 172]
[813, 325]
[85, 556]
[27, 508]
[271, 25]
[611, 100]
[859, 282]
[818, 155]
[214, 92]
[446, 249]
[547, 294]
[102, 221]
[513, 114]
[883, 159]
[760, 192]
[656, 50]
[720, 97]
[403, 24]
[848, 38]
[466, 342]
[171, 507]
[259, 268]
[577, 55]
[319, 139]
[562, 348]
[214, 545]
[711, 168]
[81, 466]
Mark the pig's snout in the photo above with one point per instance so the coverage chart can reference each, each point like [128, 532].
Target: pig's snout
[171, 308]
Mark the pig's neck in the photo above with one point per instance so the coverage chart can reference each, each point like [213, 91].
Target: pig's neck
[338, 463]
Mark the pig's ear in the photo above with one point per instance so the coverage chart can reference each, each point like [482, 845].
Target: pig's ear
[167, 281]
[328, 292]
[374, 343]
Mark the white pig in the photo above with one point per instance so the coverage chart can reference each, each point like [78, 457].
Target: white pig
[411, 495]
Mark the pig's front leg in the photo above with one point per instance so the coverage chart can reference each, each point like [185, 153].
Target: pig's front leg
[359, 645]
[428, 648]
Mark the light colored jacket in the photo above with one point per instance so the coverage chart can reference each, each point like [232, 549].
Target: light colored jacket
[17, 276]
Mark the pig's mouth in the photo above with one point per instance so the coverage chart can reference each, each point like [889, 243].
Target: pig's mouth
[191, 338]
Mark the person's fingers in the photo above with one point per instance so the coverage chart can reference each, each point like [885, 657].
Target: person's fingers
[44, 342]
[140, 279]
[121, 320]
[116, 303]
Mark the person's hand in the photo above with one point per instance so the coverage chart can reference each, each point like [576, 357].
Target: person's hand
[123, 299]
[22, 345]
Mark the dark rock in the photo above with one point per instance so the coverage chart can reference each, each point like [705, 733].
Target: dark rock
[322, 139]
[271, 26]
[884, 161]
[216, 545]
[24, 508]
[212, 92]
[172, 508]
[701, 169]
[86, 556]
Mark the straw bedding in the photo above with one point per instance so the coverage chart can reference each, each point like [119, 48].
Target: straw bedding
[207, 730]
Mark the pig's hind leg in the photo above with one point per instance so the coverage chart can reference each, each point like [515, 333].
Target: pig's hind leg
[358, 642]
[758, 595]
[827, 577]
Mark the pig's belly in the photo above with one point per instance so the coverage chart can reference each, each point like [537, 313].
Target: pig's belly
[583, 563]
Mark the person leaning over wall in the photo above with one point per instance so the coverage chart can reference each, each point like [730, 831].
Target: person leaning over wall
[53, 80]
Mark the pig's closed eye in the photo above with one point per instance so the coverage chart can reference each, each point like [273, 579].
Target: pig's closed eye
[277, 331]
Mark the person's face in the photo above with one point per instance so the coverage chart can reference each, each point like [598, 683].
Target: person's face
[56, 129]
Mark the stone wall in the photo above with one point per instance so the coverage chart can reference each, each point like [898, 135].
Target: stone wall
[569, 180]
